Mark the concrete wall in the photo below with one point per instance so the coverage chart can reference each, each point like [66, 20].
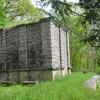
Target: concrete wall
[25, 75]
[31, 75]
[34, 45]
[54, 46]
[40, 45]
[58, 47]
[46, 44]
[22, 46]
[16, 51]
[2, 49]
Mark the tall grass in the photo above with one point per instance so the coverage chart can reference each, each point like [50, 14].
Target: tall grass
[70, 87]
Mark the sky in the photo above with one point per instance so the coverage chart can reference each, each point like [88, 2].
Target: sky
[49, 8]
[73, 0]
[34, 1]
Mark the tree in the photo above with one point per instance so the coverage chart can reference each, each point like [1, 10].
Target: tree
[90, 13]
[2, 15]
[79, 23]
[21, 11]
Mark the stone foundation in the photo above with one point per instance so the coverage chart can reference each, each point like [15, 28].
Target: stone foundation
[32, 75]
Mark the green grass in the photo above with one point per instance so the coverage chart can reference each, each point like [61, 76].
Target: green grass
[70, 87]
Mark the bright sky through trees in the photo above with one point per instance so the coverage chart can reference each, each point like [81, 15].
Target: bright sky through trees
[35, 2]
[72, 0]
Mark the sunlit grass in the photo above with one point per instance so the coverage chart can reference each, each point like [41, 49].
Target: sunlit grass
[70, 87]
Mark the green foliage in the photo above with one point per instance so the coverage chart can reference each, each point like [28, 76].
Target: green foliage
[81, 55]
[27, 13]
[98, 57]
[20, 11]
[90, 13]
[98, 70]
[91, 10]
[2, 15]
[70, 87]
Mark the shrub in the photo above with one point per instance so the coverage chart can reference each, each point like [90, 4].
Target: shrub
[98, 70]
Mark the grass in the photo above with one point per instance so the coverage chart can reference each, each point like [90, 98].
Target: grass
[70, 87]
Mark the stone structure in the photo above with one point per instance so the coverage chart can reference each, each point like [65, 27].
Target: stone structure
[93, 82]
[36, 51]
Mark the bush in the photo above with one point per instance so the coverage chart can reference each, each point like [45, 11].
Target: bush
[85, 70]
[98, 70]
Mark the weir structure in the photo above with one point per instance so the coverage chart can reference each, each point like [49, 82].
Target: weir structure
[34, 52]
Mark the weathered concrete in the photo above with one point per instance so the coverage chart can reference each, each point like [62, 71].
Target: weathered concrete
[40, 45]
[93, 82]
[31, 75]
